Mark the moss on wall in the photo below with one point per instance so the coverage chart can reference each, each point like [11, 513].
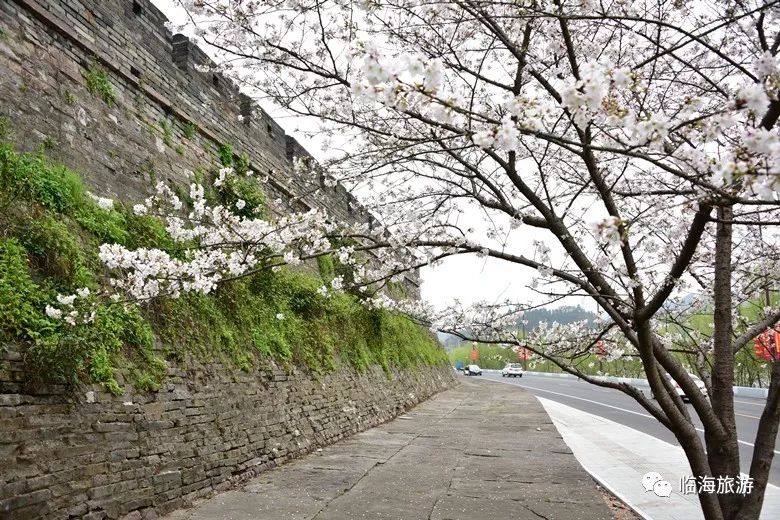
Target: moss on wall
[50, 231]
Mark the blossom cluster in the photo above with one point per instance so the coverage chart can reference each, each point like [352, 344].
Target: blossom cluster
[102, 202]
[214, 243]
[402, 81]
[73, 309]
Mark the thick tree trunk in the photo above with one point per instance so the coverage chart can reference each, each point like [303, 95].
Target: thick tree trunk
[723, 453]
[691, 444]
[680, 423]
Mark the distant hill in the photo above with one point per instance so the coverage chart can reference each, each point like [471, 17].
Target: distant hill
[563, 315]
[449, 341]
[680, 303]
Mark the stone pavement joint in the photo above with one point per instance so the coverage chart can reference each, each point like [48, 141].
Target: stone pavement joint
[478, 449]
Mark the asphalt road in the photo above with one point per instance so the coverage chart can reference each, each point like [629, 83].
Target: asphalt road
[618, 407]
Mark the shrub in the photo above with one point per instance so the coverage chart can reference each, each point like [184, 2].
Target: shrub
[327, 267]
[225, 154]
[31, 177]
[55, 251]
[19, 295]
[99, 85]
[189, 130]
[249, 190]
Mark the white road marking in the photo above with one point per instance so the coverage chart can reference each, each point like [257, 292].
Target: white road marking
[748, 402]
[559, 382]
[610, 406]
[583, 399]
[606, 390]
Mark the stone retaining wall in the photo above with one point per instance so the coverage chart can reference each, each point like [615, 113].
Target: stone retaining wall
[93, 455]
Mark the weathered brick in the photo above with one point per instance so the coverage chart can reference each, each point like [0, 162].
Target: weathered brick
[10, 399]
[27, 499]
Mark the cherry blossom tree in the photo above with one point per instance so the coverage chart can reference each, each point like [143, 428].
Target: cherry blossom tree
[624, 151]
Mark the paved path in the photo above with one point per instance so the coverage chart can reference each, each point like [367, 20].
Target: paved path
[480, 450]
[618, 456]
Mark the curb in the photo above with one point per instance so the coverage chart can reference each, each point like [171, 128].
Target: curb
[603, 483]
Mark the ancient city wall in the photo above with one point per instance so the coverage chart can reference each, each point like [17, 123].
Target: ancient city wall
[95, 455]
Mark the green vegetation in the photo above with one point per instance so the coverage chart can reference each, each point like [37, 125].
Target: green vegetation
[591, 364]
[496, 357]
[147, 170]
[5, 129]
[99, 85]
[50, 231]
[283, 316]
[189, 130]
[563, 315]
[49, 143]
[239, 186]
[225, 154]
[167, 132]
[397, 290]
[691, 330]
[249, 190]
[327, 267]
[69, 97]
[696, 328]
[241, 164]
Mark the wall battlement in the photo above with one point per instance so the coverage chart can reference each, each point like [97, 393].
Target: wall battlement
[163, 91]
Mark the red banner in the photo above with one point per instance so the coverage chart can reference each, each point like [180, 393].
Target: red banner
[767, 345]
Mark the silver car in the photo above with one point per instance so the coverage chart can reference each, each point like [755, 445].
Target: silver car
[680, 392]
[473, 370]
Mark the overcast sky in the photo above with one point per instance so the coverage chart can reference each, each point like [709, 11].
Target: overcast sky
[467, 278]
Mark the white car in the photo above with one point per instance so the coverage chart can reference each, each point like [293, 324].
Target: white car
[512, 370]
[472, 370]
[698, 382]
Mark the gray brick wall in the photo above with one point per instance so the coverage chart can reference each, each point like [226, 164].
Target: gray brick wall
[94, 455]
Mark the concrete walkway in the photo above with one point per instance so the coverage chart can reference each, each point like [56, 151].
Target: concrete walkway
[619, 456]
[480, 450]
